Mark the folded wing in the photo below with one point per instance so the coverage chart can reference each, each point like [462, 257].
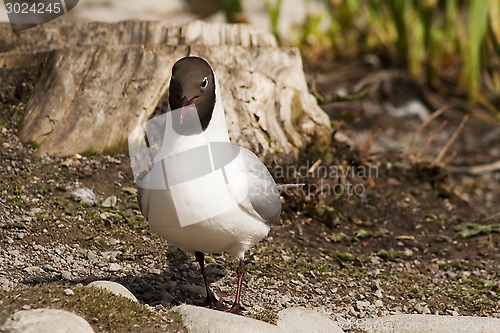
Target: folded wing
[263, 200]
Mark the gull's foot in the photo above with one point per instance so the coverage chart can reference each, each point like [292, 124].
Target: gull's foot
[212, 302]
[216, 305]
[236, 309]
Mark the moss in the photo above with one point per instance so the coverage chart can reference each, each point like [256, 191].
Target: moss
[61, 188]
[43, 189]
[468, 230]
[416, 291]
[98, 307]
[33, 144]
[346, 256]
[267, 316]
[337, 237]
[137, 222]
[390, 255]
[362, 233]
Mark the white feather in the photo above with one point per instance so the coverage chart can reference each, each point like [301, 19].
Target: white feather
[173, 211]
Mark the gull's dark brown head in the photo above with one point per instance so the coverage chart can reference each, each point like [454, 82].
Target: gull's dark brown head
[192, 82]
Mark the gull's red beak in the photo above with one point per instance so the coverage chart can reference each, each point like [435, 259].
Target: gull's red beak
[185, 106]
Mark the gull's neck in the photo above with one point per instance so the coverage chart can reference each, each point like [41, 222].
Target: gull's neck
[216, 130]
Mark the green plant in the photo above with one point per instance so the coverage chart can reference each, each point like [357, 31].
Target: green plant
[273, 13]
[438, 41]
[477, 27]
[233, 10]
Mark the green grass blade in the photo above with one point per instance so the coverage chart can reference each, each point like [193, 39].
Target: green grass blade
[477, 27]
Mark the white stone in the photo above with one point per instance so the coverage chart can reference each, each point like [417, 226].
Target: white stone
[362, 304]
[112, 241]
[66, 275]
[297, 320]
[5, 284]
[86, 195]
[114, 267]
[201, 320]
[416, 323]
[45, 321]
[68, 292]
[34, 270]
[114, 288]
[110, 201]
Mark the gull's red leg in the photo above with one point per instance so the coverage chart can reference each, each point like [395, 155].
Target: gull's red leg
[237, 308]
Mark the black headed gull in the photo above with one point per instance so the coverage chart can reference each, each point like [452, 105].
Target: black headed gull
[202, 193]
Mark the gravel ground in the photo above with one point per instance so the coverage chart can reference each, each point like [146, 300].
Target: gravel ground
[68, 221]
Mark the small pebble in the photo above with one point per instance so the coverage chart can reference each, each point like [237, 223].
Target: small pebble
[130, 190]
[66, 275]
[155, 271]
[68, 292]
[113, 241]
[362, 304]
[91, 256]
[33, 270]
[110, 201]
[114, 267]
[285, 299]
[48, 268]
[85, 195]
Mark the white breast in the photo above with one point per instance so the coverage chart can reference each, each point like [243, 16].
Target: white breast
[199, 212]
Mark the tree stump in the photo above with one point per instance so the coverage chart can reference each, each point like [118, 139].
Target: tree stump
[98, 81]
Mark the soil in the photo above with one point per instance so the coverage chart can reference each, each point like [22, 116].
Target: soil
[415, 234]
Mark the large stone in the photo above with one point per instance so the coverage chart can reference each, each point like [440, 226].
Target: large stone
[298, 320]
[114, 288]
[45, 321]
[201, 320]
[416, 323]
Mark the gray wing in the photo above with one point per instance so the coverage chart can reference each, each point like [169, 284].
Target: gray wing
[263, 196]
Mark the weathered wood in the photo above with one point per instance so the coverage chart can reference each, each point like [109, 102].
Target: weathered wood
[88, 98]
[18, 73]
[268, 107]
[65, 34]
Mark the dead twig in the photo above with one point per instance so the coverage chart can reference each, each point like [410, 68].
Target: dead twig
[411, 147]
[430, 140]
[476, 169]
[364, 148]
[453, 138]
[450, 158]
[315, 91]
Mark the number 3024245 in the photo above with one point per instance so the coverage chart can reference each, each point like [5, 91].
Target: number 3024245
[33, 8]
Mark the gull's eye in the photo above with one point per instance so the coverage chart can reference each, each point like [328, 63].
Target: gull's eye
[204, 83]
